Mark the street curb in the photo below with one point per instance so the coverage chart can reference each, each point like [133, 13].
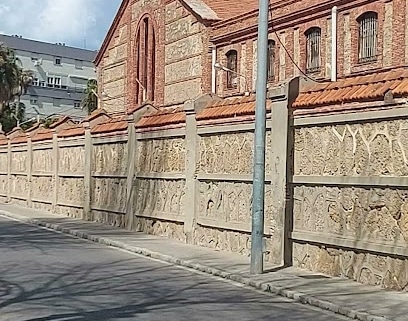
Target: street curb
[262, 286]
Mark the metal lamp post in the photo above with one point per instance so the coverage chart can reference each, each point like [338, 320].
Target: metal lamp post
[259, 150]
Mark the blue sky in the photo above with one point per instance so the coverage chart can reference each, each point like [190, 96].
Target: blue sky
[66, 21]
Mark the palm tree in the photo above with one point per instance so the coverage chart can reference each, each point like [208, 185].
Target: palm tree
[90, 100]
[10, 76]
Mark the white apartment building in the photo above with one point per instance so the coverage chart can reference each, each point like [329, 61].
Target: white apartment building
[60, 76]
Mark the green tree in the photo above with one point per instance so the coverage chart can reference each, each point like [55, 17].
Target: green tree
[10, 76]
[13, 84]
[11, 115]
[90, 100]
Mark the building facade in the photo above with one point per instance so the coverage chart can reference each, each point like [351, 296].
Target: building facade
[336, 145]
[185, 39]
[60, 75]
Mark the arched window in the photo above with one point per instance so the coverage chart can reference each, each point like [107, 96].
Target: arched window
[232, 64]
[367, 38]
[271, 60]
[145, 66]
[313, 51]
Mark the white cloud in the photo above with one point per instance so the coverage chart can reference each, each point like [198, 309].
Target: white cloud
[65, 21]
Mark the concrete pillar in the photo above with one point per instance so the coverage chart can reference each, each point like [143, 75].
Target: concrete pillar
[29, 171]
[281, 162]
[131, 150]
[9, 172]
[87, 175]
[190, 170]
[55, 169]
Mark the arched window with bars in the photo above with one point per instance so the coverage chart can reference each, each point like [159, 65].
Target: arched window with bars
[145, 66]
[232, 65]
[271, 60]
[367, 38]
[313, 49]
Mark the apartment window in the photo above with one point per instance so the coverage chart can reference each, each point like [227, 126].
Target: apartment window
[78, 64]
[50, 82]
[57, 60]
[57, 82]
[77, 104]
[313, 39]
[33, 100]
[368, 25]
[232, 65]
[271, 60]
[42, 83]
[36, 82]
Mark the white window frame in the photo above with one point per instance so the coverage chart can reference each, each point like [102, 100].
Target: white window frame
[57, 82]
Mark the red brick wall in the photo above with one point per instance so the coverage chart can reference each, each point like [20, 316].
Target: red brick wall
[306, 14]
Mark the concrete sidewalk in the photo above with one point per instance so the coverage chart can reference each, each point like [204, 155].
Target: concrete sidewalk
[335, 294]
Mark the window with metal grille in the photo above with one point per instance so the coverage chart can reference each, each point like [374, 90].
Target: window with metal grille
[232, 65]
[313, 39]
[271, 60]
[368, 24]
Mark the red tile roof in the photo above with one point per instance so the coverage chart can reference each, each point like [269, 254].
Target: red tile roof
[73, 131]
[118, 123]
[230, 108]
[355, 89]
[226, 9]
[42, 134]
[3, 139]
[19, 138]
[163, 117]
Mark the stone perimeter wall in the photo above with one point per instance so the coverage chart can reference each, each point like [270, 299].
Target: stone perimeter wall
[351, 201]
[138, 181]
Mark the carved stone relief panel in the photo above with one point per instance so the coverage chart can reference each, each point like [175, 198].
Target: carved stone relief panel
[379, 149]
[41, 206]
[160, 196]
[71, 190]
[69, 211]
[72, 159]
[109, 193]
[112, 219]
[161, 156]
[19, 202]
[3, 184]
[172, 230]
[230, 153]
[42, 188]
[43, 160]
[385, 271]
[3, 162]
[19, 186]
[372, 214]
[230, 202]
[109, 158]
[223, 240]
[19, 162]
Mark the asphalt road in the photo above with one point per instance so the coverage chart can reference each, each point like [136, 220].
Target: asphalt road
[47, 276]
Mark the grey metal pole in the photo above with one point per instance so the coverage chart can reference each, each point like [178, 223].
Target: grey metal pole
[259, 151]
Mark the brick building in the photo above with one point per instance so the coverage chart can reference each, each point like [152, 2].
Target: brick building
[169, 48]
